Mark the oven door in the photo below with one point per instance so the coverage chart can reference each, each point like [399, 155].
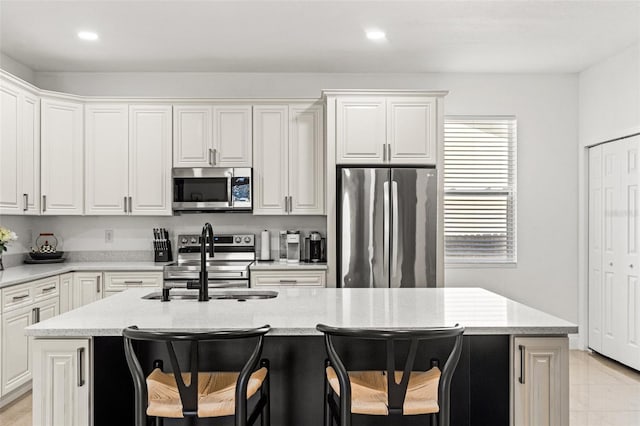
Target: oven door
[211, 189]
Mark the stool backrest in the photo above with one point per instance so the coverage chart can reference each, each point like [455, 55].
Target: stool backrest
[189, 393]
[396, 391]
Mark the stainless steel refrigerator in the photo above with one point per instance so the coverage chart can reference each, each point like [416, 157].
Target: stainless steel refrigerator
[387, 225]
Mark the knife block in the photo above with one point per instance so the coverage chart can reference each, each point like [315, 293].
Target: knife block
[163, 254]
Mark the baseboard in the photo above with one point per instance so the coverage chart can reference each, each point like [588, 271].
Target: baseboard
[15, 394]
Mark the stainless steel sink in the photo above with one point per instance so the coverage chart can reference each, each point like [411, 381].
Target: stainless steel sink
[239, 295]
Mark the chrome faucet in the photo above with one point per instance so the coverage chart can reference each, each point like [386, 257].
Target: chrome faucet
[207, 232]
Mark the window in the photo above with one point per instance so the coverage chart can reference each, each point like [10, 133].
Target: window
[480, 189]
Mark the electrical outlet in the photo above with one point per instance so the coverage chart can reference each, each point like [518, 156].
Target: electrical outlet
[108, 236]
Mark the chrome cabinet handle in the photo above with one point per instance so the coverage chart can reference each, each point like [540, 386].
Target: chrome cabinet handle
[44, 203]
[34, 315]
[522, 363]
[80, 355]
[389, 152]
[610, 263]
[48, 289]
[98, 284]
[133, 282]
[288, 281]
[25, 199]
[290, 203]
[384, 152]
[286, 204]
[130, 205]
[215, 155]
[210, 157]
[16, 298]
[125, 203]
[631, 266]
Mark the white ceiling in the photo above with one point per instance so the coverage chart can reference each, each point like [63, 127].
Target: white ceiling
[317, 36]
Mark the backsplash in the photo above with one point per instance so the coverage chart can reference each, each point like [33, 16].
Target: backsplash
[85, 234]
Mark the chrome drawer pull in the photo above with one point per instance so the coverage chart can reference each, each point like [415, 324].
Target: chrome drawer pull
[16, 298]
[133, 282]
[80, 369]
[288, 281]
[44, 290]
[522, 363]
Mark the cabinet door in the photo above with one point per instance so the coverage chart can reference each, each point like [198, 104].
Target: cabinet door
[232, 138]
[270, 127]
[47, 309]
[412, 130]
[306, 159]
[10, 152]
[540, 381]
[61, 157]
[192, 144]
[360, 130]
[16, 353]
[106, 159]
[87, 288]
[31, 153]
[66, 292]
[61, 382]
[150, 159]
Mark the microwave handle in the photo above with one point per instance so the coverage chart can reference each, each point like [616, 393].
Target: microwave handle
[229, 191]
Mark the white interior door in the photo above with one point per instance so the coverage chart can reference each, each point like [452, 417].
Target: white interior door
[106, 160]
[271, 168]
[232, 136]
[192, 131]
[150, 159]
[61, 156]
[306, 159]
[10, 155]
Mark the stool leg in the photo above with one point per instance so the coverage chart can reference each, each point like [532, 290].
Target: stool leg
[265, 416]
[434, 419]
[159, 421]
[328, 419]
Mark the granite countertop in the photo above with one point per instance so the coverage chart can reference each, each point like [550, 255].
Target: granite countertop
[283, 266]
[296, 311]
[25, 273]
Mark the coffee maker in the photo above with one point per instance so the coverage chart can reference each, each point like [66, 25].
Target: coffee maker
[293, 246]
[315, 247]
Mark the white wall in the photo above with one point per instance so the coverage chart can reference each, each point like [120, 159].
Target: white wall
[545, 105]
[16, 68]
[609, 108]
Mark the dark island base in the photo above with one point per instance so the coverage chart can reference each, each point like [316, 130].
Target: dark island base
[480, 389]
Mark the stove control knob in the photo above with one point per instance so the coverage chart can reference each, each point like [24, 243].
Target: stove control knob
[184, 241]
[247, 239]
[238, 239]
[194, 241]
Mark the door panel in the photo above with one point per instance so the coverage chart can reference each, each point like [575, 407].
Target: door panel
[411, 130]
[31, 152]
[192, 133]
[413, 227]
[595, 248]
[232, 138]
[10, 138]
[360, 130]
[363, 238]
[15, 349]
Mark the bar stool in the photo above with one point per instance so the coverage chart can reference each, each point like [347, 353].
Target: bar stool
[389, 392]
[207, 394]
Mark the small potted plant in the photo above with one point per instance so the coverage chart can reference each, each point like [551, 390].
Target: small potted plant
[6, 236]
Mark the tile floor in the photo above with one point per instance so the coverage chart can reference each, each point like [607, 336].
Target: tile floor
[602, 393]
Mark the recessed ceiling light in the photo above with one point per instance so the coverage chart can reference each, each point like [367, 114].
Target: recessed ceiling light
[376, 35]
[87, 35]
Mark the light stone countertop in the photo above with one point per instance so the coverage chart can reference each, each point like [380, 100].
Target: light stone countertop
[296, 311]
[282, 266]
[25, 273]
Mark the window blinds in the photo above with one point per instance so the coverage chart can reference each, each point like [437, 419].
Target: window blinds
[480, 189]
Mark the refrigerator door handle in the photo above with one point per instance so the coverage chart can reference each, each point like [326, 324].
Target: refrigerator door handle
[386, 229]
[394, 229]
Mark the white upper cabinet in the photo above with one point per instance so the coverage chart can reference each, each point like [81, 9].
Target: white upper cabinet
[360, 129]
[306, 159]
[386, 129]
[150, 160]
[271, 133]
[20, 150]
[212, 136]
[411, 130]
[232, 138]
[31, 153]
[192, 131]
[106, 161]
[10, 155]
[61, 157]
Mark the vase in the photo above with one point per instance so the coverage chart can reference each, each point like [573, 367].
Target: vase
[1, 265]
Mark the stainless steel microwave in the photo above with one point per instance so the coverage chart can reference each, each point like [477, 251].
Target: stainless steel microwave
[212, 189]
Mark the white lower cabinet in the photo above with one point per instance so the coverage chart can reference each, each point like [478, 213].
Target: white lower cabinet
[288, 278]
[87, 288]
[66, 292]
[115, 282]
[62, 382]
[540, 381]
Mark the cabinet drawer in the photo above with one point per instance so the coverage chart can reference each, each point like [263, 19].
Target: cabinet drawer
[17, 296]
[46, 288]
[119, 281]
[288, 278]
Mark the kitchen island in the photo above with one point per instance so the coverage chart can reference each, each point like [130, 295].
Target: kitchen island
[80, 353]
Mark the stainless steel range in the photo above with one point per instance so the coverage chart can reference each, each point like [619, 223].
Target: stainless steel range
[229, 267]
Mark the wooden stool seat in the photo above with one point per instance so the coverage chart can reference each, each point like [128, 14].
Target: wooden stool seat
[369, 391]
[216, 392]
